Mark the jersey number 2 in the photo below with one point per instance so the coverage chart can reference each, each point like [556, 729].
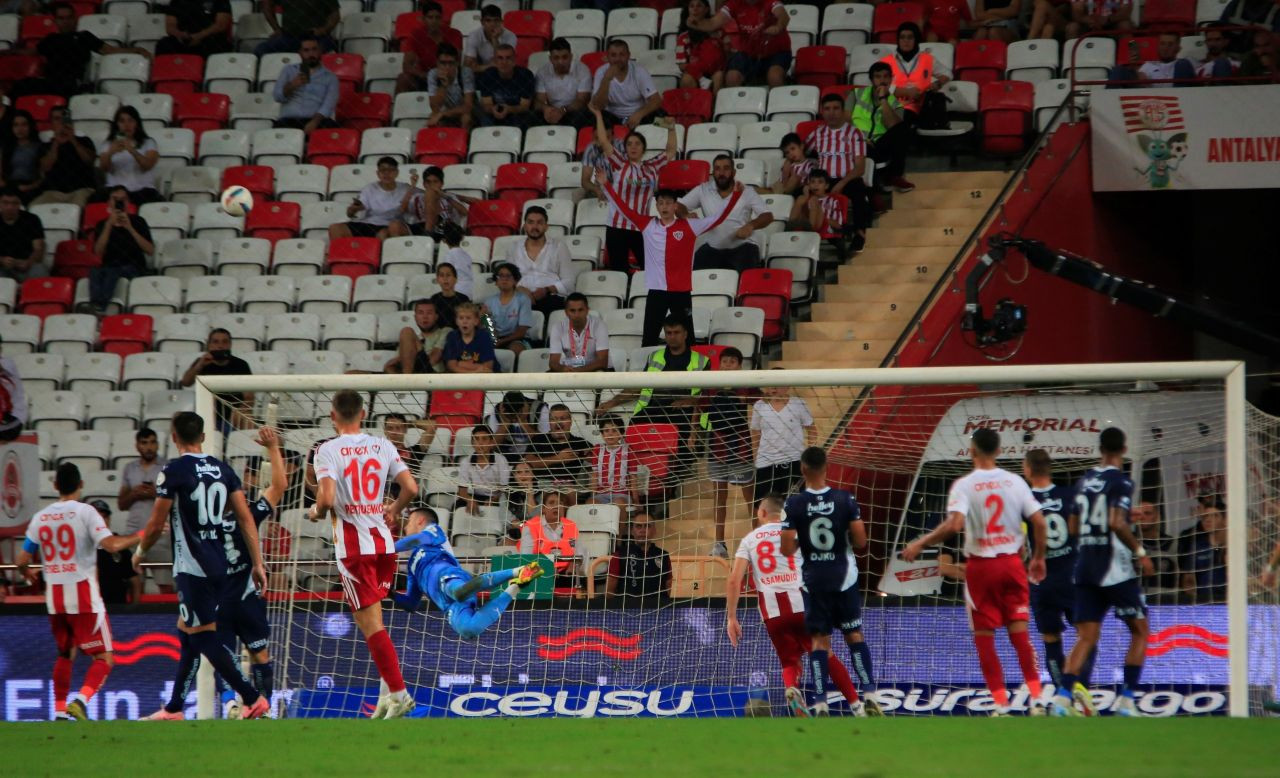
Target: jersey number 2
[995, 504]
[365, 478]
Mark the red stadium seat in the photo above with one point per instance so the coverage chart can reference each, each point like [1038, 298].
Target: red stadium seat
[94, 213]
[74, 259]
[493, 219]
[1147, 48]
[840, 90]
[177, 74]
[525, 47]
[34, 28]
[532, 26]
[653, 446]
[517, 182]
[456, 409]
[712, 352]
[46, 296]
[593, 60]
[820, 66]
[1171, 15]
[200, 111]
[364, 111]
[688, 106]
[804, 129]
[39, 107]
[125, 334]
[980, 61]
[351, 270]
[441, 146]
[884, 24]
[587, 136]
[15, 67]
[684, 174]
[768, 289]
[258, 179]
[274, 221]
[364, 252]
[1004, 112]
[349, 68]
[333, 147]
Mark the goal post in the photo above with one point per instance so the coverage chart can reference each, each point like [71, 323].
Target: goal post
[838, 399]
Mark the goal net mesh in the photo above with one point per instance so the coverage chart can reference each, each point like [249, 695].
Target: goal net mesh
[626, 628]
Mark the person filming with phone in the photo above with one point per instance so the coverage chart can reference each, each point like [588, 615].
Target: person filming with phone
[123, 240]
[307, 91]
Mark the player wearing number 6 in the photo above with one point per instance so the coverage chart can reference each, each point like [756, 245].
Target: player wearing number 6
[989, 506]
[352, 471]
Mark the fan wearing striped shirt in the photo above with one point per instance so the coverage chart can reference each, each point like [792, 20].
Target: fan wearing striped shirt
[634, 181]
[614, 470]
[796, 166]
[842, 152]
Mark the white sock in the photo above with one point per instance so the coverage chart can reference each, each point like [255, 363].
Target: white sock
[512, 590]
[400, 695]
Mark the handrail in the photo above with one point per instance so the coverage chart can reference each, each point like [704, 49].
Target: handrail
[1118, 35]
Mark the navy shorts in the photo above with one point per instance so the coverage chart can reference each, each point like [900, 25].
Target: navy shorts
[754, 68]
[198, 598]
[1093, 602]
[244, 612]
[826, 612]
[1053, 604]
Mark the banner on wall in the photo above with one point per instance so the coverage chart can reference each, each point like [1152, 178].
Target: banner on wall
[19, 484]
[1210, 138]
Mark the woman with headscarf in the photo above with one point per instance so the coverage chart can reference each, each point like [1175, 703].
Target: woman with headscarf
[915, 72]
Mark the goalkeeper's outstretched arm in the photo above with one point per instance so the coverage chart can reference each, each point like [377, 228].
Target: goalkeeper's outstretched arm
[412, 596]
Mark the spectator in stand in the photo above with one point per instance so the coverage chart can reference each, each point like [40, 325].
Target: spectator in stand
[1098, 15]
[781, 428]
[624, 90]
[482, 476]
[1202, 552]
[449, 297]
[13, 400]
[1167, 65]
[116, 578]
[451, 91]
[138, 497]
[197, 27]
[508, 310]
[728, 246]
[998, 20]
[595, 157]
[729, 461]
[20, 158]
[307, 91]
[123, 241]
[699, 54]
[236, 410]
[634, 178]
[559, 456]
[555, 535]
[311, 19]
[524, 502]
[613, 470]
[916, 73]
[1264, 14]
[945, 18]
[512, 423]
[639, 569]
[796, 165]
[842, 153]
[506, 91]
[66, 55]
[469, 349]
[422, 48]
[67, 161]
[762, 51]
[439, 208]
[129, 157]
[481, 44]
[21, 239]
[384, 204]
[458, 260]
[563, 88]
[817, 210]
[1218, 62]
[1148, 527]
[395, 427]
[1262, 59]
[1048, 19]
[545, 265]
[579, 342]
[878, 115]
[421, 351]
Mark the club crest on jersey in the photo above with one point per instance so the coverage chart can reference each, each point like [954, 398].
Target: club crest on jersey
[678, 234]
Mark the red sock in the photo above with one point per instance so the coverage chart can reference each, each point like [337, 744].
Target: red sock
[791, 675]
[991, 669]
[1027, 659]
[93, 680]
[61, 683]
[384, 656]
[840, 677]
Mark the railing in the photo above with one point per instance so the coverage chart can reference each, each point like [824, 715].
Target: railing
[1132, 35]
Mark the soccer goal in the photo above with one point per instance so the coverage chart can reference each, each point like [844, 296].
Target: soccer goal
[632, 623]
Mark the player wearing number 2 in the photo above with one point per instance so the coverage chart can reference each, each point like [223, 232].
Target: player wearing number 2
[989, 506]
[352, 471]
[67, 535]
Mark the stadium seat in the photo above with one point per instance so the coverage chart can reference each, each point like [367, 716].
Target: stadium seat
[224, 148]
[212, 295]
[1032, 60]
[258, 179]
[230, 74]
[161, 404]
[316, 218]
[155, 295]
[21, 333]
[378, 294]
[201, 111]
[8, 295]
[411, 110]
[302, 183]
[251, 30]
[88, 450]
[244, 258]
[349, 68]
[40, 372]
[364, 253]
[156, 110]
[168, 221]
[606, 290]
[706, 140]
[741, 105]
[333, 147]
[123, 74]
[559, 215]
[74, 259]
[39, 107]
[94, 214]
[584, 28]
[253, 111]
[149, 372]
[1005, 113]
[494, 146]
[548, 145]
[440, 146]
[278, 147]
[177, 74]
[94, 113]
[363, 111]
[714, 288]
[346, 181]
[531, 28]
[298, 258]
[520, 181]
[740, 327]
[454, 410]
[770, 291]
[1088, 59]
[408, 255]
[797, 252]
[53, 412]
[44, 297]
[274, 221]
[792, 104]
[1168, 15]
[654, 445]
[1048, 97]
[1210, 10]
[820, 66]
[390, 325]
[248, 330]
[126, 333]
[662, 67]
[394, 142]
[637, 26]
[210, 222]
[688, 106]
[762, 140]
[847, 24]
[194, 185]
[565, 181]
[269, 295]
[34, 28]
[884, 25]
[145, 29]
[493, 218]
[980, 61]
[180, 333]
[185, 258]
[114, 412]
[366, 33]
[684, 174]
[293, 331]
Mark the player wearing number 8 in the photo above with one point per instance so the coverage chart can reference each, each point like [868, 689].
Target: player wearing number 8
[352, 471]
[989, 506]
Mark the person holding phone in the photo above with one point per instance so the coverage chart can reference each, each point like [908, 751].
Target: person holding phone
[138, 497]
[129, 157]
[123, 240]
[307, 91]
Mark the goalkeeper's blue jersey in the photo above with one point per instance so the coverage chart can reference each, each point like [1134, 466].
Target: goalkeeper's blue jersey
[431, 565]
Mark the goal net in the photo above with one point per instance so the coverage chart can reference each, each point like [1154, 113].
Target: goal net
[633, 621]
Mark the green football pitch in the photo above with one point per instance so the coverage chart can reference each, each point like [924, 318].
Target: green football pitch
[1152, 748]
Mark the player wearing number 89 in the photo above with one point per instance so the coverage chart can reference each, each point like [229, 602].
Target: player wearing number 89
[1104, 573]
[352, 471]
[989, 506]
[193, 493]
[67, 535]
[826, 525]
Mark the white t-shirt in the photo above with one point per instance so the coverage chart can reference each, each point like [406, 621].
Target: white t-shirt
[68, 533]
[125, 170]
[707, 198]
[777, 578]
[782, 437]
[474, 44]
[381, 206]
[461, 262]
[553, 267]
[628, 95]
[563, 90]
[994, 503]
[578, 348]
[367, 463]
[484, 480]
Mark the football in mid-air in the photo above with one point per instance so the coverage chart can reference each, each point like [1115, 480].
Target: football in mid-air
[237, 201]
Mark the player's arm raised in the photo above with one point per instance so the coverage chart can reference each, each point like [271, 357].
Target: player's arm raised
[1119, 520]
[249, 528]
[269, 439]
[151, 532]
[732, 591]
[953, 524]
[1036, 571]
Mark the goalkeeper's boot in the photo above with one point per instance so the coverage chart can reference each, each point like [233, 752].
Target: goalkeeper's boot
[795, 701]
[232, 709]
[1000, 712]
[821, 709]
[62, 716]
[1080, 693]
[380, 711]
[527, 574]
[164, 715]
[258, 710]
[1127, 707]
[872, 705]
[76, 709]
[399, 706]
[1062, 707]
[858, 709]
[1038, 708]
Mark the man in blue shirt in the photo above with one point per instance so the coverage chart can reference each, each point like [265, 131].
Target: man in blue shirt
[506, 91]
[306, 91]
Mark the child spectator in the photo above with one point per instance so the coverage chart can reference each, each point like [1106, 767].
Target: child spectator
[508, 310]
[796, 165]
[730, 447]
[484, 474]
[525, 500]
[448, 299]
[421, 351]
[469, 349]
[457, 258]
[699, 55]
[614, 474]
[781, 428]
[817, 209]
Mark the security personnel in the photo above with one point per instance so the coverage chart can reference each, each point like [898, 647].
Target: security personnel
[915, 72]
[552, 534]
[878, 115]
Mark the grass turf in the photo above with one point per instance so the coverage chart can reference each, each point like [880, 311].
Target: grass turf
[757, 747]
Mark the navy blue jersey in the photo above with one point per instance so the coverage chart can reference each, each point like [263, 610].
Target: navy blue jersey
[1060, 545]
[238, 559]
[821, 520]
[200, 487]
[1101, 559]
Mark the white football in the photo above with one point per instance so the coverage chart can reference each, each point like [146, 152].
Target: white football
[237, 201]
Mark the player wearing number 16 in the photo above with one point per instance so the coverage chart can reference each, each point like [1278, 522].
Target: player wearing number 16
[352, 471]
[989, 506]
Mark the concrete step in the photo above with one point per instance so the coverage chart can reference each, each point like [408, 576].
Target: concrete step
[971, 179]
[846, 330]
[838, 351]
[946, 198]
[853, 311]
[959, 218]
[890, 273]
[896, 295]
[928, 235]
[905, 255]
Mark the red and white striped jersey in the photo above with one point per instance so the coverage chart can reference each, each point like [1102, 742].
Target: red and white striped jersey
[360, 465]
[68, 533]
[994, 503]
[803, 168]
[776, 578]
[615, 469]
[833, 211]
[635, 184]
[837, 148]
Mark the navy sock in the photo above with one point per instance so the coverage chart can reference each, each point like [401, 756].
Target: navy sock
[861, 654]
[821, 674]
[224, 662]
[1068, 683]
[1054, 659]
[188, 664]
[1132, 674]
[264, 678]
[1086, 670]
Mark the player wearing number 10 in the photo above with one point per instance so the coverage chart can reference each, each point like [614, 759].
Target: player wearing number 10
[352, 471]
